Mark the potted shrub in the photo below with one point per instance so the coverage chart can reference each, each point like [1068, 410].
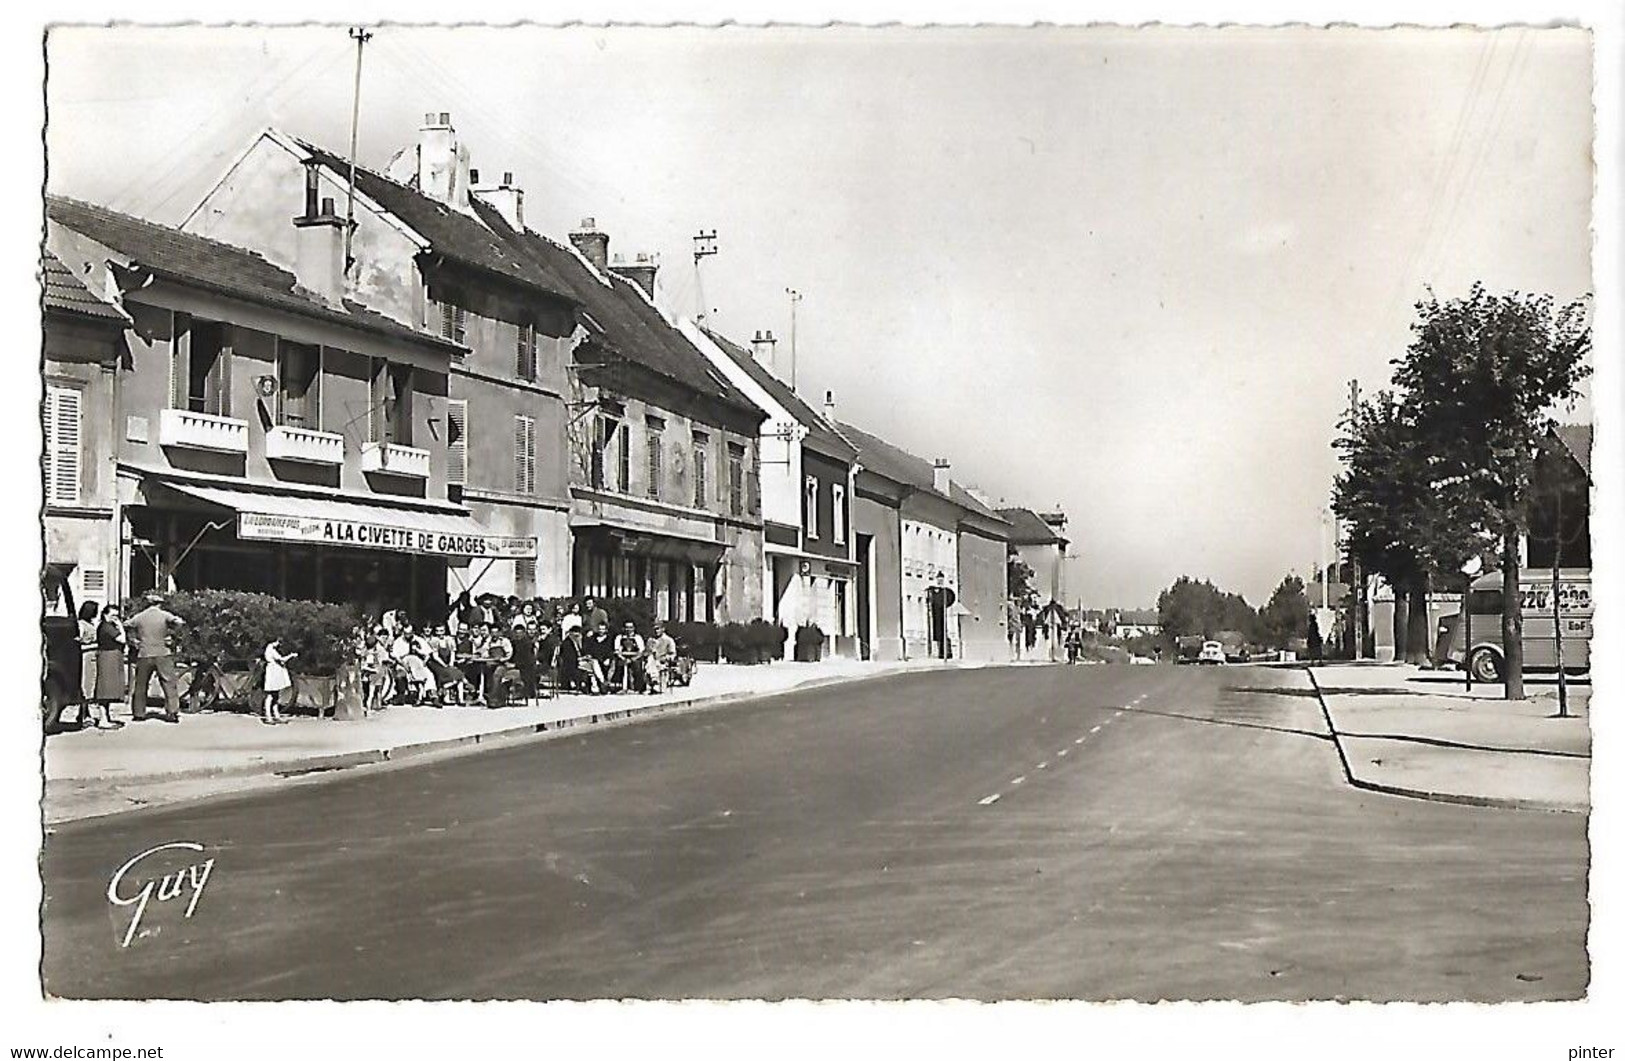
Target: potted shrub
[809, 643]
[765, 639]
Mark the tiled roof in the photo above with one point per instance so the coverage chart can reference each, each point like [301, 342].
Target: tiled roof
[899, 465]
[820, 435]
[66, 292]
[218, 267]
[619, 316]
[451, 233]
[1029, 527]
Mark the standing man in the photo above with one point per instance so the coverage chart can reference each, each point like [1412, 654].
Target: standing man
[151, 627]
[593, 615]
[939, 598]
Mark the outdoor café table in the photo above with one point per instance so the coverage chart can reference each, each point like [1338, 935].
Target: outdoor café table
[482, 665]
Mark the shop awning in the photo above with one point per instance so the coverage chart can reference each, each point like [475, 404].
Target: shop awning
[658, 545]
[324, 521]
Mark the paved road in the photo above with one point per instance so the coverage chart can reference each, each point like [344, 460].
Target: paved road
[1157, 832]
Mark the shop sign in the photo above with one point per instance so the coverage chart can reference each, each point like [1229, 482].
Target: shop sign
[357, 534]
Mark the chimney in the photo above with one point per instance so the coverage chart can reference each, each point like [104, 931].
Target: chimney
[939, 475]
[505, 199]
[442, 162]
[319, 252]
[641, 272]
[592, 244]
[829, 406]
[762, 347]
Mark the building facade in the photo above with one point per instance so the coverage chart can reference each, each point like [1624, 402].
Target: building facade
[810, 568]
[877, 532]
[663, 462]
[265, 434]
[84, 353]
[421, 256]
[932, 509]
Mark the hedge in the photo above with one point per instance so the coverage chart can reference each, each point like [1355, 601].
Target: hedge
[232, 627]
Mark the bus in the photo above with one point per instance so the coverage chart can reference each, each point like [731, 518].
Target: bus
[1485, 658]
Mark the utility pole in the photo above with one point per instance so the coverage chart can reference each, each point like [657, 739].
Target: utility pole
[361, 36]
[705, 245]
[1358, 588]
[795, 297]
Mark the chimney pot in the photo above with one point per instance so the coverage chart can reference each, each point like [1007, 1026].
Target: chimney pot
[327, 207]
[641, 271]
[445, 117]
[473, 176]
[507, 178]
[591, 244]
[939, 475]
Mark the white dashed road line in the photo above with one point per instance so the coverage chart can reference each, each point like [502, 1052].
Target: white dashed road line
[1062, 753]
[1018, 780]
[989, 800]
[1094, 729]
[1079, 740]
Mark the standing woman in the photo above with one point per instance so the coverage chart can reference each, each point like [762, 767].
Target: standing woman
[277, 679]
[112, 645]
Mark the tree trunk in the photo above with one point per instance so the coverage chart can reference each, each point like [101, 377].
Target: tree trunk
[1401, 613]
[1419, 631]
[1511, 615]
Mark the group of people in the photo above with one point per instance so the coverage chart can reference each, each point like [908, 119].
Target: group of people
[494, 652]
[488, 651]
[109, 643]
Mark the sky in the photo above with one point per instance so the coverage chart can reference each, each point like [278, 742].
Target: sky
[1127, 272]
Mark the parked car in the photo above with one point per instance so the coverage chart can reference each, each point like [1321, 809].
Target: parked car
[1212, 652]
[64, 660]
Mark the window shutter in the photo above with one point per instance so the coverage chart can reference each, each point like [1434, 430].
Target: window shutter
[223, 369]
[525, 356]
[457, 441]
[524, 454]
[63, 470]
[93, 583]
[180, 343]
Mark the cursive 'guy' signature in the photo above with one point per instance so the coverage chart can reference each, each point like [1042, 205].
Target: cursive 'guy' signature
[193, 878]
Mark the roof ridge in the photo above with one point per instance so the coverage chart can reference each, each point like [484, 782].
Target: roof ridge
[236, 248]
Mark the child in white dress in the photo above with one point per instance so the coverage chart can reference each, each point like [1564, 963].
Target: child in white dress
[277, 679]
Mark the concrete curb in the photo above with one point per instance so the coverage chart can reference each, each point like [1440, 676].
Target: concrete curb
[1457, 798]
[319, 764]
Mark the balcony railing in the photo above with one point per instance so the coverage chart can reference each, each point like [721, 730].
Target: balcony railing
[188, 430]
[304, 445]
[387, 458]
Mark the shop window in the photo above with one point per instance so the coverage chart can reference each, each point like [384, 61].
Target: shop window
[809, 508]
[837, 512]
[299, 376]
[391, 402]
[524, 454]
[200, 366]
[64, 443]
[657, 440]
[702, 468]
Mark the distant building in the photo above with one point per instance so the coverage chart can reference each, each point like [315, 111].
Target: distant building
[1040, 540]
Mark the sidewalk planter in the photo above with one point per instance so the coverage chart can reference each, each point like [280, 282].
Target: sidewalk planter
[231, 626]
[809, 643]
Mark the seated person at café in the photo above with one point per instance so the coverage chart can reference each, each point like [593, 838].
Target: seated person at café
[503, 681]
[442, 661]
[662, 656]
[629, 673]
[578, 671]
[410, 654]
[547, 654]
[600, 645]
[524, 655]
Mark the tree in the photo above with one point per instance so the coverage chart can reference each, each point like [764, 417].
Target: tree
[1190, 607]
[1483, 376]
[1286, 615]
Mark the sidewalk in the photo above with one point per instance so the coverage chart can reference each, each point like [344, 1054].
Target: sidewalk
[93, 772]
[1414, 732]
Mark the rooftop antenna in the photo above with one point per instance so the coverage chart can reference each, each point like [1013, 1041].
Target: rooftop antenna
[361, 35]
[705, 245]
[795, 297]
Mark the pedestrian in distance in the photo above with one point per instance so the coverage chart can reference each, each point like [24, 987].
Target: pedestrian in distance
[277, 679]
[152, 626]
